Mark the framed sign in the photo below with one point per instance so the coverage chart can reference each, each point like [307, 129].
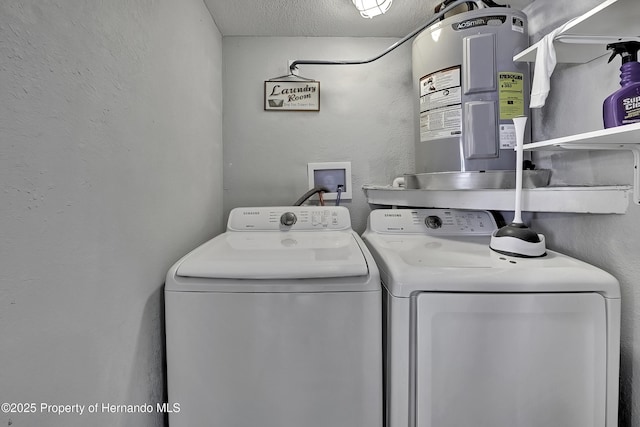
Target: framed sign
[286, 95]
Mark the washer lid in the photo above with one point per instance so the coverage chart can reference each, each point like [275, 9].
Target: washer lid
[276, 255]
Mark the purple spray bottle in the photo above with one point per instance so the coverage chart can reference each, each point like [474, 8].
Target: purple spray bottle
[622, 107]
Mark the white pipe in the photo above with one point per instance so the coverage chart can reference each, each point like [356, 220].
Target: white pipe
[398, 182]
[520, 123]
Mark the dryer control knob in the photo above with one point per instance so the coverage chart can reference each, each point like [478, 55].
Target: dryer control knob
[433, 222]
[288, 219]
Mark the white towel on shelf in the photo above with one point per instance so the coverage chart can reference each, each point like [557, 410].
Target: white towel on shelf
[545, 64]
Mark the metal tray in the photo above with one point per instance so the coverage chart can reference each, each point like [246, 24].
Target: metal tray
[476, 180]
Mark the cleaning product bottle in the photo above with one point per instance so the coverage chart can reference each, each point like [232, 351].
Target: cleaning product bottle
[622, 107]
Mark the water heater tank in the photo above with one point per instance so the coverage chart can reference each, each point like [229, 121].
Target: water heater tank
[469, 90]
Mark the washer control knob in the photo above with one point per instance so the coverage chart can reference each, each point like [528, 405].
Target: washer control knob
[433, 222]
[288, 219]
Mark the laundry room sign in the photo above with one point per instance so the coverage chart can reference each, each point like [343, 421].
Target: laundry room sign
[284, 95]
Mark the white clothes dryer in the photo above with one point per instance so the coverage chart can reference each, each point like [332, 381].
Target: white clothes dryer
[476, 338]
[276, 323]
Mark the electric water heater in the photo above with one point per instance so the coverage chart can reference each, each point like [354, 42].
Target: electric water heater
[469, 89]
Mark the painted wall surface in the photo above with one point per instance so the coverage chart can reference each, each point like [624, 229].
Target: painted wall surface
[607, 241]
[110, 170]
[365, 117]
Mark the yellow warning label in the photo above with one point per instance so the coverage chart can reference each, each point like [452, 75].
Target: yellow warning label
[511, 94]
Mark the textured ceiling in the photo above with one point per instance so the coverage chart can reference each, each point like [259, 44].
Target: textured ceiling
[320, 18]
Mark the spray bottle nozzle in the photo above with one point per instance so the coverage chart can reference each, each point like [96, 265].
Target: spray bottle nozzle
[627, 50]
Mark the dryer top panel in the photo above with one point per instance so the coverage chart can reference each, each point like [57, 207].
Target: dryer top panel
[417, 258]
[435, 222]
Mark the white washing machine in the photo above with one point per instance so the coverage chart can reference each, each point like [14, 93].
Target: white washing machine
[276, 323]
[476, 338]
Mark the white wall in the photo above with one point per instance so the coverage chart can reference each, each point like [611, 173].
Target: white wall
[110, 170]
[366, 117]
[608, 241]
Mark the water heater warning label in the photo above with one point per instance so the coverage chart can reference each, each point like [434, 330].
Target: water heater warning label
[440, 104]
[507, 137]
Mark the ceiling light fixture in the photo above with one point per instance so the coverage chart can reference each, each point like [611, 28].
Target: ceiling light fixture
[371, 8]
